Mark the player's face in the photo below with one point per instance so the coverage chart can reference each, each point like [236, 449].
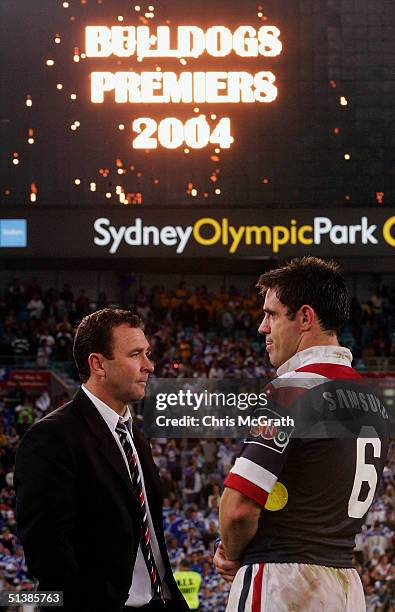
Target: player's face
[128, 369]
[282, 333]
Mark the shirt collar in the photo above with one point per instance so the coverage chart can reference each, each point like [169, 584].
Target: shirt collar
[109, 415]
[316, 354]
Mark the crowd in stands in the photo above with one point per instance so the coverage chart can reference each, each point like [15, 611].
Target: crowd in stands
[193, 334]
[198, 333]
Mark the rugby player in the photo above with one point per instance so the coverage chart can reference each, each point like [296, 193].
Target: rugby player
[292, 505]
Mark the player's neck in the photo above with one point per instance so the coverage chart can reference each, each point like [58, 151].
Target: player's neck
[319, 339]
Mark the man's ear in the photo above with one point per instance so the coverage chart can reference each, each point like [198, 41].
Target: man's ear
[95, 361]
[307, 317]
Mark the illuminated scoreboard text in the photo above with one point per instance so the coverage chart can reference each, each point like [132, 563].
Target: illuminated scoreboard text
[186, 87]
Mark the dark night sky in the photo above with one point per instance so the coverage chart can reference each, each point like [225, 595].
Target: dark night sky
[331, 49]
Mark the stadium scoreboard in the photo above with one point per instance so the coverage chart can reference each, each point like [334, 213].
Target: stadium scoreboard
[212, 103]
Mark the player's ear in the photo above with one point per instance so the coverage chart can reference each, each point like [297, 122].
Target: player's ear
[307, 317]
[96, 365]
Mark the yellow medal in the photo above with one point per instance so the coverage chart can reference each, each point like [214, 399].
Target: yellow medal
[278, 497]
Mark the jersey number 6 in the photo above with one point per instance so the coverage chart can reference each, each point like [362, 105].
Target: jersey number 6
[364, 472]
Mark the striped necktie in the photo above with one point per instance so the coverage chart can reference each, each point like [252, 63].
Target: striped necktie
[145, 540]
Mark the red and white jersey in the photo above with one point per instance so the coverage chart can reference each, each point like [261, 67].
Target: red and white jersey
[314, 490]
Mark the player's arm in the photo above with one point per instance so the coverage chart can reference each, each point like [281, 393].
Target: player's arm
[238, 521]
[248, 485]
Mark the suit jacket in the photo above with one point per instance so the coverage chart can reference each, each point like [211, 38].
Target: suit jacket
[76, 510]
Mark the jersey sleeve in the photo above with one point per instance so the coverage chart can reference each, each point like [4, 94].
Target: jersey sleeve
[263, 455]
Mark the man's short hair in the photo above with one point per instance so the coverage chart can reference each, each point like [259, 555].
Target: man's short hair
[184, 563]
[311, 281]
[94, 335]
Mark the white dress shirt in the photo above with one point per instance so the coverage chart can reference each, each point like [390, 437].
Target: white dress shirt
[140, 592]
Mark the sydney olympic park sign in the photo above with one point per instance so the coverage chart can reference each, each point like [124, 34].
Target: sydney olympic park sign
[211, 233]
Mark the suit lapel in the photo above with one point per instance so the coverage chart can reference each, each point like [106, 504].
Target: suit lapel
[105, 440]
[108, 447]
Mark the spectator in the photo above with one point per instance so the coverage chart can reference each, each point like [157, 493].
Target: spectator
[15, 294]
[35, 307]
[20, 344]
[168, 485]
[372, 599]
[102, 301]
[376, 540]
[193, 484]
[382, 569]
[64, 344]
[33, 289]
[82, 305]
[67, 297]
[43, 354]
[189, 584]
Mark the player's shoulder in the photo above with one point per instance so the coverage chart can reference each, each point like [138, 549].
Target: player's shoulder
[310, 376]
[329, 369]
[286, 389]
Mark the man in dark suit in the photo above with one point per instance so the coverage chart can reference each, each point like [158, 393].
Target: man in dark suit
[89, 508]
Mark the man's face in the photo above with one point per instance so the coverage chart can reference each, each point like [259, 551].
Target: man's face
[128, 369]
[282, 333]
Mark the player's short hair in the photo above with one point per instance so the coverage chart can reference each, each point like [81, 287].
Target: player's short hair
[94, 335]
[311, 281]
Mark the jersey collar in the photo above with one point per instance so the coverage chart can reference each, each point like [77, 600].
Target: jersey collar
[317, 354]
